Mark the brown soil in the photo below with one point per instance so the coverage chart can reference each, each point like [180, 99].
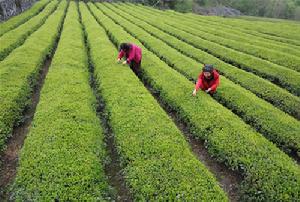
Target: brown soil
[113, 169]
[9, 158]
[229, 180]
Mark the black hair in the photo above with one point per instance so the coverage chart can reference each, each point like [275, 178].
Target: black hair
[124, 46]
[208, 68]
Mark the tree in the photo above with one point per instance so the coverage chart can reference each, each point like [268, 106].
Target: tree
[297, 13]
[184, 5]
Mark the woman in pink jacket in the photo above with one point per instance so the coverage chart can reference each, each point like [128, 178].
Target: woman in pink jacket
[208, 80]
[133, 55]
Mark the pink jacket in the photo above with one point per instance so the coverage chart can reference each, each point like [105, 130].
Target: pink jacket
[135, 54]
[205, 84]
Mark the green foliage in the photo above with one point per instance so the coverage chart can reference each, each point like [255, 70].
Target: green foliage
[223, 30]
[18, 76]
[261, 27]
[280, 128]
[272, 31]
[284, 31]
[158, 163]
[289, 80]
[183, 5]
[266, 8]
[63, 153]
[16, 37]
[267, 177]
[178, 5]
[262, 88]
[273, 56]
[20, 19]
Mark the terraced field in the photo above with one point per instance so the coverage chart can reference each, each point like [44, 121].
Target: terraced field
[77, 126]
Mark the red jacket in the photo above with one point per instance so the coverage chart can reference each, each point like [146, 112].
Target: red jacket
[134, 53]
[205, 84]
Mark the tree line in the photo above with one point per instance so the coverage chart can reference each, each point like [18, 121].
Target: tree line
[286, 9]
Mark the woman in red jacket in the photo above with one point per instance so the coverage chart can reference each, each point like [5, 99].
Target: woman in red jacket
[133, 55]
[208, 80]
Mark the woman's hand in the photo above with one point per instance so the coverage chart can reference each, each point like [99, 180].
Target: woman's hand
[208, 90]
[194, 92]
[125, 62]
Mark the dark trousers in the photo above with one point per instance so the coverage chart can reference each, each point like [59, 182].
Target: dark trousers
[135, 66]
